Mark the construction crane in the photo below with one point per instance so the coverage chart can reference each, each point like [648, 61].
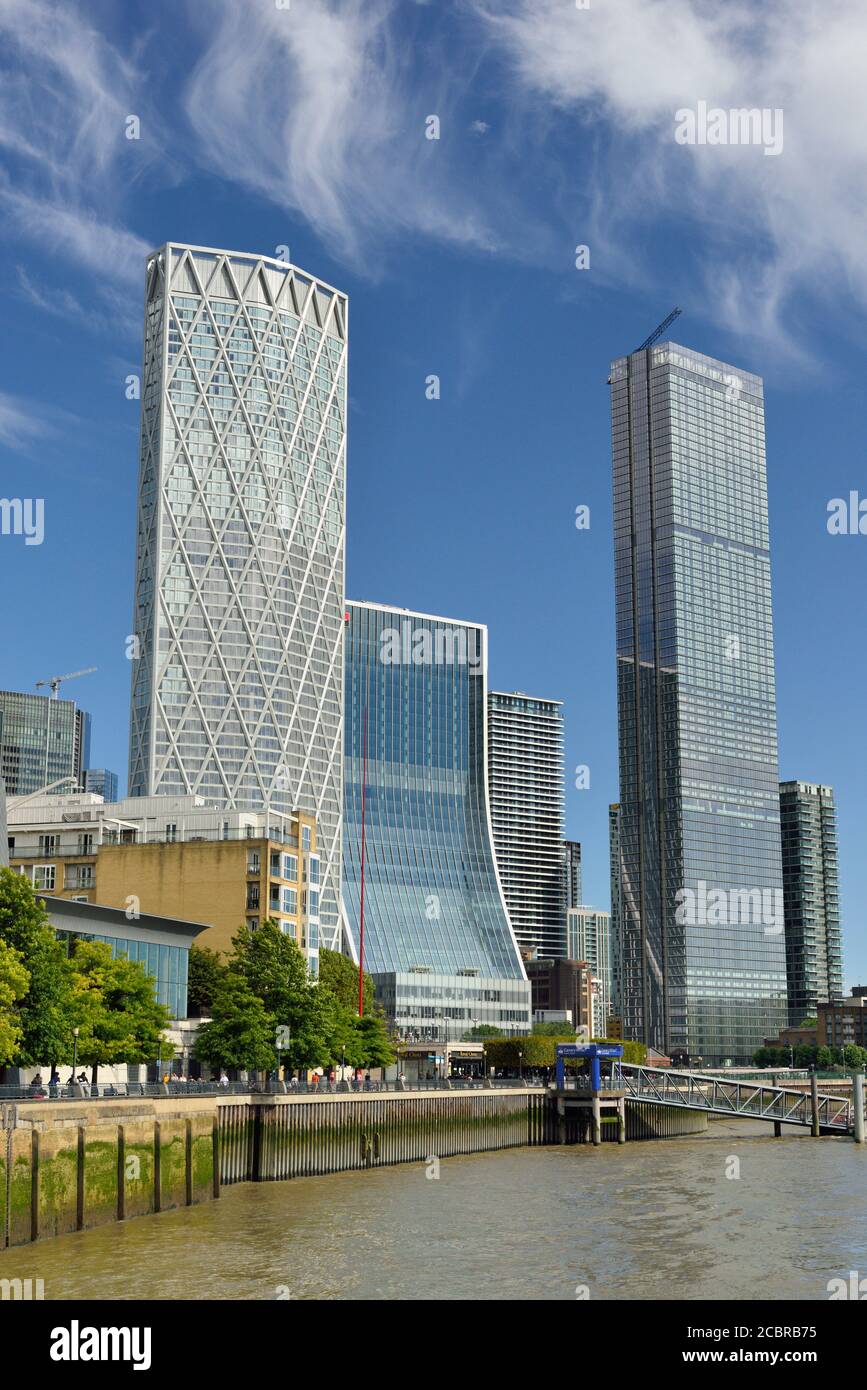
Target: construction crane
[56, 681]
[659, 330]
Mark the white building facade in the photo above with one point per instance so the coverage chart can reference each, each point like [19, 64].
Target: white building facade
[237, 645]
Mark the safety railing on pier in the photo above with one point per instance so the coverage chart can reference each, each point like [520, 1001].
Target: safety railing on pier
[724, 1096]
[132, 1090]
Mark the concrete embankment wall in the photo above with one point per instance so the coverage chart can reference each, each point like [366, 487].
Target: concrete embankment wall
[71, 1165]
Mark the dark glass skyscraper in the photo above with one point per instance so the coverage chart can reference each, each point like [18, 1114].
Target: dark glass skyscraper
[814, 944]
[701, 930]
[438, 940]
[41, 741]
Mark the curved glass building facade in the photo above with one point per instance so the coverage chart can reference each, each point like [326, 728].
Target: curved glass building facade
[437, 934]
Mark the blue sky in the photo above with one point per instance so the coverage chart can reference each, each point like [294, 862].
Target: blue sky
[306, 126]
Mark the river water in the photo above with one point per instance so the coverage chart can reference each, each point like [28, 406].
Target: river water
[647, 1220]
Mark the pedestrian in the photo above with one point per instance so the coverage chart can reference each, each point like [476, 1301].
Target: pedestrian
[224, 1080]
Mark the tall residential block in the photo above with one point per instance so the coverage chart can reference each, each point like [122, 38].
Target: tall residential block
[703, 957]
[574, 891]
[589, 939]
[616, 914]
[42, 740]
[237, 681]
[814, 942]
[526, 786]
[437, 937]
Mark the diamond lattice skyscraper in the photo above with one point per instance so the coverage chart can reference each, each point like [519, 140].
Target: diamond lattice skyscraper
[237, 690]
[700, 904]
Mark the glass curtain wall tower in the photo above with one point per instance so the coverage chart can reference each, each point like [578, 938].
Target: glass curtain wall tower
[700, 902]
[237, 685]
[437, 936]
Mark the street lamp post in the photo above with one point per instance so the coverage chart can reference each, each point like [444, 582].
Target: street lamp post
[520, 1065]
[74, 1053]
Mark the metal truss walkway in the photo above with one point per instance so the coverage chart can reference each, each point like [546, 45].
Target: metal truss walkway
[722, 1097]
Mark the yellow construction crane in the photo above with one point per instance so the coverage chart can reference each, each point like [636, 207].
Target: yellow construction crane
[56, 681]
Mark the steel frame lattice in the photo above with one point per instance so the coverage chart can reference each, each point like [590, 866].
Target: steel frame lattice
[237, 690]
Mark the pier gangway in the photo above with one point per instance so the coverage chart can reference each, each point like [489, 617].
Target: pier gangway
[723, 1096]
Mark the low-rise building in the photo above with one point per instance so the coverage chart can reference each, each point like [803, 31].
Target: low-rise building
[843, 1023]
[175, 857]
[562, 985]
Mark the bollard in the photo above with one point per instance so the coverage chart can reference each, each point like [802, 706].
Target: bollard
[858, 1088]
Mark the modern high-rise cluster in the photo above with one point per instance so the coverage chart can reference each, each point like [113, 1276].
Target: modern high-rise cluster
[342, 767]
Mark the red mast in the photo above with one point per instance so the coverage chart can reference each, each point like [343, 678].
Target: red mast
[361, 923]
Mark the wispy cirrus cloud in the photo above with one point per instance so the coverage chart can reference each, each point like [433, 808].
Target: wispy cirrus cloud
[21, 421]
[767, 231]
[65, 95]
[322, 109]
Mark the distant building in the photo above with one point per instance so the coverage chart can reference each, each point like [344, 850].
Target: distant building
[814, 941]
[174, 857]
[102, 782]
[842, 1022]
[437, 937]
[572, 853]
[589, 936]
[42, 741]
[560, 985]
[526, 787]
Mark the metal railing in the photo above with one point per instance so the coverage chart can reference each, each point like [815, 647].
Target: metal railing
[694, 1091]
[190, 1089]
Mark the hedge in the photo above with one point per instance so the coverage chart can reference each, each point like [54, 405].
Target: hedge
[502, 1053]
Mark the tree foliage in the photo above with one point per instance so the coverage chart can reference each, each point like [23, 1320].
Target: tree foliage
[115, 1008]
[206, 971]
[44, 1014]
[340, 974]
[241, 1031]
[14, 981]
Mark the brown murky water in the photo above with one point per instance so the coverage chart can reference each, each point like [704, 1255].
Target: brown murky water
[650, 1220]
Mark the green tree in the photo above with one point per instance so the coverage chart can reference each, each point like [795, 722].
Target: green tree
[375, 1045]
[241, 1032]
[824, 1060]
[482, 1031]
[339, 974]
[115, 1007]
[45, 1023]
[275, 969]
[206, 971]
[14, 980]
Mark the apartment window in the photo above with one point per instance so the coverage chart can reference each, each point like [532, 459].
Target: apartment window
[85, 843]
[79, 876]
[314, 868]
[11, 844]
[254, 863]
[47, 844]
[290, 867]
[313, 909]
[44, 876]
[252, 895]
[289, 903]
[305, 837]
[252, 923]
[171, 832]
